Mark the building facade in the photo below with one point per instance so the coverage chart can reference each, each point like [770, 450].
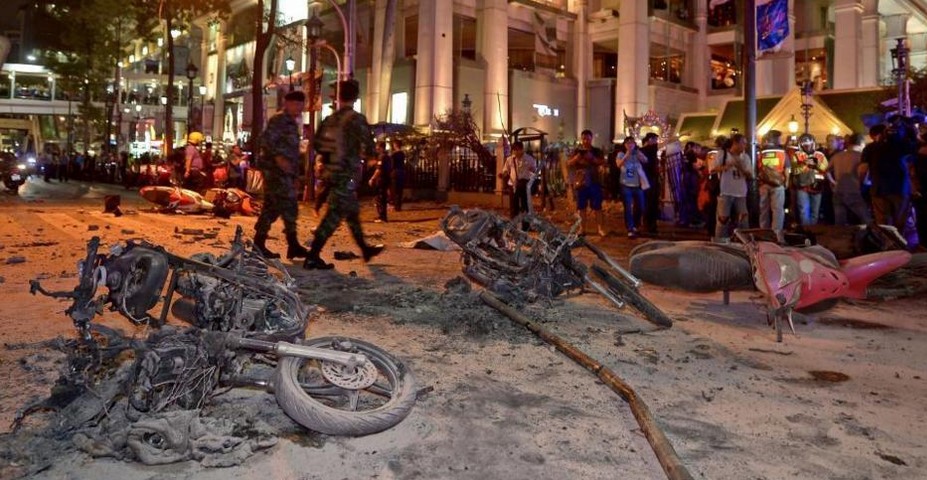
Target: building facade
[566, 65]
[559, 66]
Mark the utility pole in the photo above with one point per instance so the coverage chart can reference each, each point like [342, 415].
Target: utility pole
[750, 103]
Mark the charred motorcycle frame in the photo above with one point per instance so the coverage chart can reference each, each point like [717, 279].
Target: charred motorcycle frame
[245, 310]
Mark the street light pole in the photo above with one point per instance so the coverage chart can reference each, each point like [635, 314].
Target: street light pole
[313, 33]
[806, 105]
[348, 44]
[191, 74]
[900, 72]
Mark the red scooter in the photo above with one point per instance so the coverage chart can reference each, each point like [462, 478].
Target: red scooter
[799, 277]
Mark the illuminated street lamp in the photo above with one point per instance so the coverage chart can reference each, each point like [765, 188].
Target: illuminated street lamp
[290, 67]
[793, 125]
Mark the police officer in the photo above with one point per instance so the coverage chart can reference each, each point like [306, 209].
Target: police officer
[280, 166]
[343, 140]
[809, 168]
[773, 170]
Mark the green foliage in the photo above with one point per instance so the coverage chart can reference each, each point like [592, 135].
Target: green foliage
[918, 92]
[149, 13]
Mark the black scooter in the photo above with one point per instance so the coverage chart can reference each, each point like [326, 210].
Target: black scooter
[12, 173]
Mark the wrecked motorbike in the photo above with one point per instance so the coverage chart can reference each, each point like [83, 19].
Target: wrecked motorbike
[246, 316]
[529, 258]
[796, 278]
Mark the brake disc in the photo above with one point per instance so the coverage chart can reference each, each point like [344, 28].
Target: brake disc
[357, 378]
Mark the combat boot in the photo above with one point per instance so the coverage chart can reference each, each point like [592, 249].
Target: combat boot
[372, 251]
[293, 248]
[260, 239]
[315, 262]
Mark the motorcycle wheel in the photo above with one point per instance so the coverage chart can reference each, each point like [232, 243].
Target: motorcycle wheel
[634, 298]
[313, 401]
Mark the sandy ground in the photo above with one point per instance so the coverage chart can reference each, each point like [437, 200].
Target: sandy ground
[501, 404]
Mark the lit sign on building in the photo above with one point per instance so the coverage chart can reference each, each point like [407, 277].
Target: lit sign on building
[546, 111]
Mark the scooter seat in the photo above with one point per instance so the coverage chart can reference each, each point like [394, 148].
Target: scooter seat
[863, 270]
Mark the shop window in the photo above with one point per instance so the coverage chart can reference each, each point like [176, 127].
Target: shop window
[677, 11]
[725, 74]
[410, 36]
[33, 87]
[521, 50]
[464, 37]
[6, 85]
[667, 68]
[399, 108]
[722, 15]
[811, 66]
[604, 65]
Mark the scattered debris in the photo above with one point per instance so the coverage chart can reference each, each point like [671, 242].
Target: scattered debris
[763, 350]
[458, 285]
[343, 255]
[188, 231]
[891, 459]
[111, 204]
[436, 241]
[828, 376]
[15, 259]
[126, 231]
[93, 228]
[422, 393]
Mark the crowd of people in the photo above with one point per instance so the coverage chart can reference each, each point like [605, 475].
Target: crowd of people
[197, 166]
[798, 182]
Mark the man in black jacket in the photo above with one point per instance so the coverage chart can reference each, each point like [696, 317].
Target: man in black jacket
[652, 195]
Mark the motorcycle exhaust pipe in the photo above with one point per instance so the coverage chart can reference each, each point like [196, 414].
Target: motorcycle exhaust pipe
[286, 349]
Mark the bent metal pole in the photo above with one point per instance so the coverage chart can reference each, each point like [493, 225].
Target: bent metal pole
[661, 445]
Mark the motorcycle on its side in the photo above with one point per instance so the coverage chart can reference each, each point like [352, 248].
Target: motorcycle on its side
[12, 172]
[248, 328]
[793, 278]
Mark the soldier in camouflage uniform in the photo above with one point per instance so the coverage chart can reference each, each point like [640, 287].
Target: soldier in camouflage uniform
[280, 166]
[344, 140]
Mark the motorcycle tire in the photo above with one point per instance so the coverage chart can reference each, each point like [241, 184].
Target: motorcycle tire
[322, 415]
[634, 298]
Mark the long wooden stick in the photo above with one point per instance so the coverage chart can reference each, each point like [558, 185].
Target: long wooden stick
[661, 445]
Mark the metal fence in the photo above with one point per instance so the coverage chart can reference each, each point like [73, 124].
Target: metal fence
[468, 174]
[421, 171]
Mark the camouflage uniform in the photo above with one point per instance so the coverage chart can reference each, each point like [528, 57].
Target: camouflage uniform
[281, 138]
[343, 139]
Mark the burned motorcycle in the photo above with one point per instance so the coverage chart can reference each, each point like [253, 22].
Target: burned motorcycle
[245, 314]
[529, 258]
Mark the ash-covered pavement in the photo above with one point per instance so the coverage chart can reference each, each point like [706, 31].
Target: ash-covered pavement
[497, 403]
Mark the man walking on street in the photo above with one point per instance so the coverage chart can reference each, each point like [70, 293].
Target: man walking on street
[519, 171]
[343, 140]
[280, 166]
